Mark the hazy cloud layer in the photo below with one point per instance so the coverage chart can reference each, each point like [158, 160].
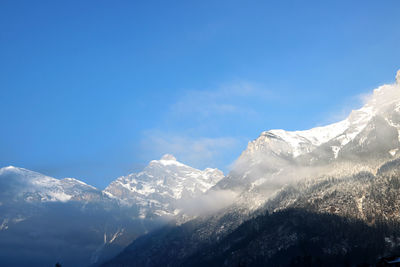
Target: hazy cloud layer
[212, 201]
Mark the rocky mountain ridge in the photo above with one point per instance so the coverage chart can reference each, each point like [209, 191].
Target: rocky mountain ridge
[161, 185]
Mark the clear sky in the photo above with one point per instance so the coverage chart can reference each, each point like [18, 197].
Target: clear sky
[96, 89]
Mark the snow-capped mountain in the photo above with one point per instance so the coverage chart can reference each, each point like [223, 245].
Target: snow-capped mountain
[364, 140]
[384, 102]
[158, 189]
[22, 184]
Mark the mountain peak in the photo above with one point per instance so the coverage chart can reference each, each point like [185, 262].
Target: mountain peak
[383, 97]
[14, 169]
[167, 160]
[383, 101]
[156, 189]
[168, 157]
[9, 168]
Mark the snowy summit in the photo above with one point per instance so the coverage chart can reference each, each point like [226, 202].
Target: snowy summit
[161, 184]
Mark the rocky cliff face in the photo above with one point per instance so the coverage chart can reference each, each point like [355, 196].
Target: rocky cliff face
[159, 188]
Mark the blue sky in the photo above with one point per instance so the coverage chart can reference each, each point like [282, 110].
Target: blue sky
[96, 89]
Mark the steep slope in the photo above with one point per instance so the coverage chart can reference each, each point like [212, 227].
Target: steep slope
[160, 187]
[296, 237]
[329, 221]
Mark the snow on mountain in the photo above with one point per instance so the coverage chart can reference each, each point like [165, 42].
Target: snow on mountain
[385, 101]
[154, 191]
[363, 141]
[26, 185]
[61, 220]
[158, 188]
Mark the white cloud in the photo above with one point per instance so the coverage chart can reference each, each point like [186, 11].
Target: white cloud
[212, 201]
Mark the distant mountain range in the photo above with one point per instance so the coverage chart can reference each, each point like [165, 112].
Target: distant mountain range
[327, 196]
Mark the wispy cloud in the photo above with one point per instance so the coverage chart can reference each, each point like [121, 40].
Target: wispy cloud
[199, 128]
[200, 152]
[227, 99]
[372, 96]
[345, 108]
[212, 201]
